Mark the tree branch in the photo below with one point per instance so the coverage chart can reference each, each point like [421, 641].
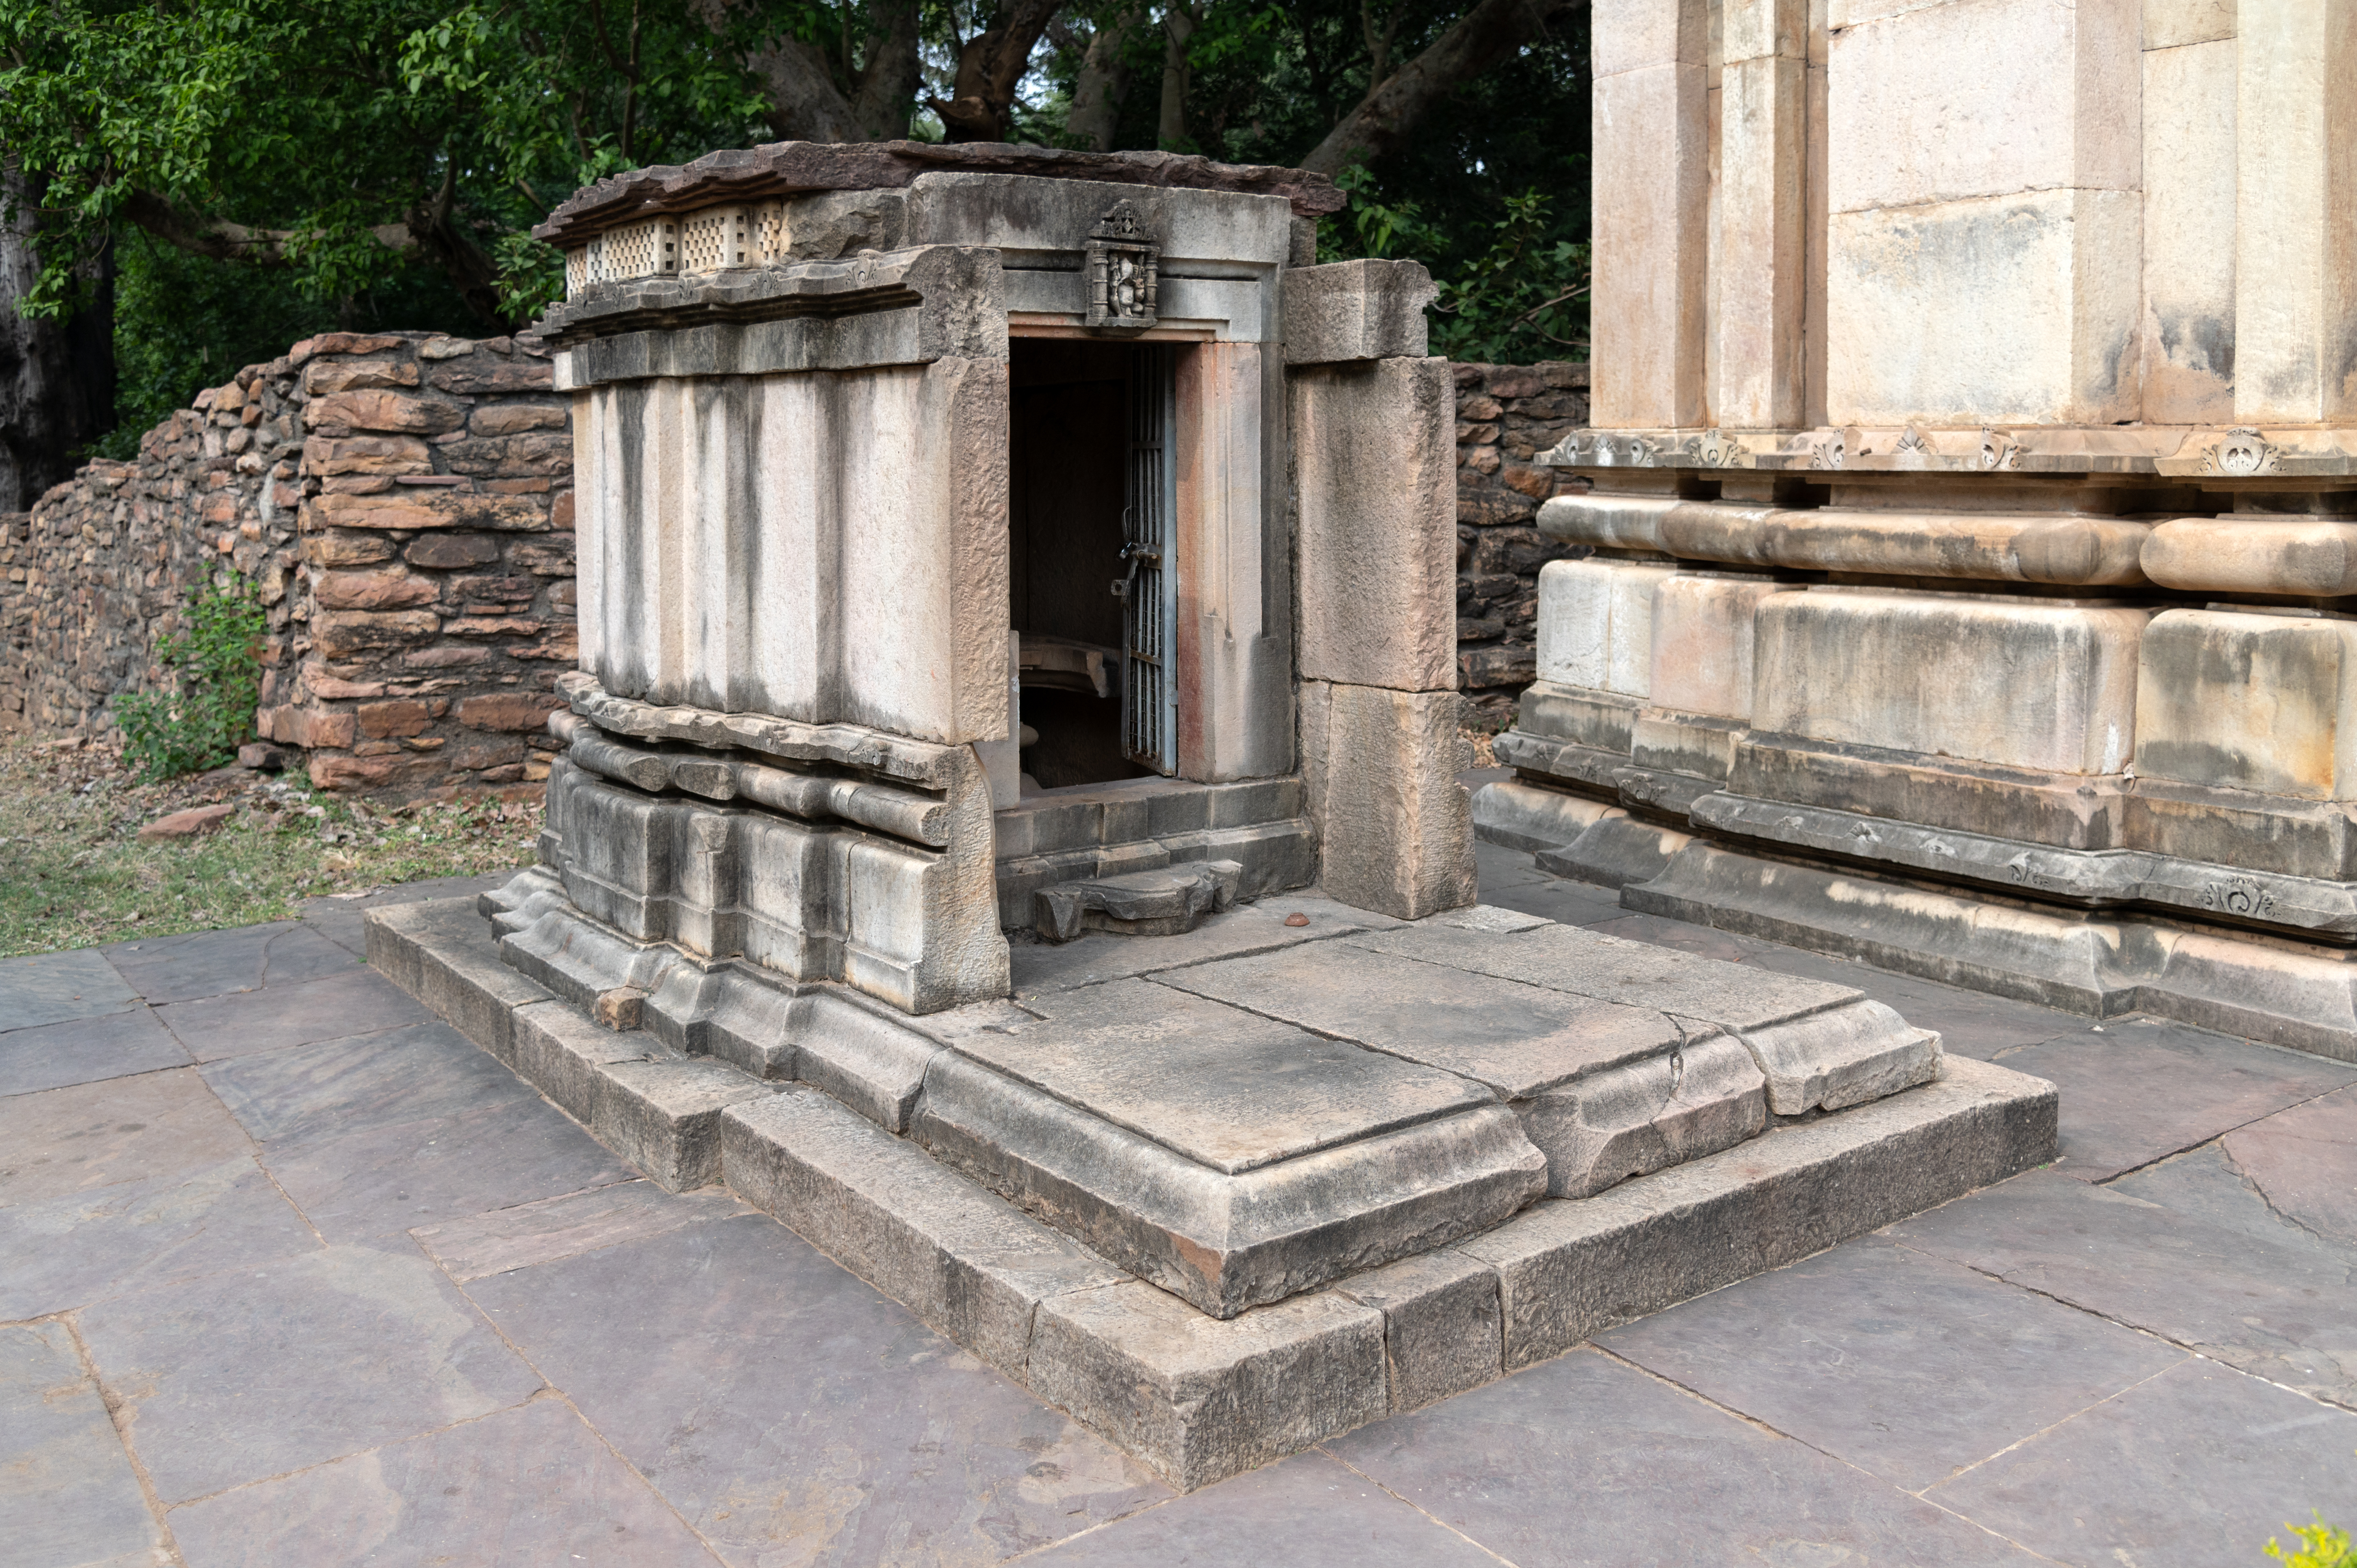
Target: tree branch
[227, 241]
[1485, 37]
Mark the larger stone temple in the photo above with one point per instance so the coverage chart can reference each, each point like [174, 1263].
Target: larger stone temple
[1973, 498]
[1009, 825]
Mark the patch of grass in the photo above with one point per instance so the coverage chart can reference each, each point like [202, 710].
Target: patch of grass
[74, 873]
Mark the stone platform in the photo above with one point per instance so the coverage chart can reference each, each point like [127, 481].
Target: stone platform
[2012, 918]
[1215, 1275]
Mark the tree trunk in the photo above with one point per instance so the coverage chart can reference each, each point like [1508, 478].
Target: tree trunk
[1104, 83]
[1170, 125]
[989, 66]
[1485, 37]
[890, 80]
[57, 378]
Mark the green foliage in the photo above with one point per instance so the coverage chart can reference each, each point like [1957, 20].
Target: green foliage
[331, 132]
[183, 323]
[217, 680]
[2316, 1545]
[1491, 194]
[1523, 298]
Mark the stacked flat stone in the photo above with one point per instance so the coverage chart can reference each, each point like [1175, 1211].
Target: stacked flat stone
[1506, 416]
[401, 503]
[1974, 466]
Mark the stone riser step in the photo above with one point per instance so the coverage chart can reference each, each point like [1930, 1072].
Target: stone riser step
[1196, 1398]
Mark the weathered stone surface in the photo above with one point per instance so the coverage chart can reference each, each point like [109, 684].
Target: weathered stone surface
[1442, 1332]
[338, 1352]
[2259, 702]
[1606, 1091]
[1595, 624]
[531, 1234]
[1355, 310]
[661, 1112]
[194, 823]
[1161, 903]
[1199, 1400]
[1569, 1269]
[965, 1260]
[70, 1494]
[1373, 485]
[1185, 1167]
[1522, 815]
[2026, 684]
[1396, 827]
[2209, 978]
[792, 167]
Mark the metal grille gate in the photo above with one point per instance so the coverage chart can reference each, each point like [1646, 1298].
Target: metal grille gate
[1149, 692]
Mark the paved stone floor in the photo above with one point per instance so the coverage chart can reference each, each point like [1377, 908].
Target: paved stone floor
[292, 1274]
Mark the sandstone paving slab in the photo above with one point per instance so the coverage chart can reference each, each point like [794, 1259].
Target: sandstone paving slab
[1909, 1366]
[527, 1485]
[795, 1417]
[383, 1179]
[1682, 936]
[342, 921]
[553, 1227]
[355, 1001]
[237, 1377]
[1596, 964]
[1517, 1038]
[2187, 1251]
[65, 1251]
[1217, 1085]
[1575, 904]
[1970, 1023]
[1096, 957]
[1821, 1046]
[210, 963]
[2196, 1468]
[340, 1086]
[964, 1260]
[119, 1129]
[2144, 1089]
[1585, 1460]
[54, 987]
[1310, 1511]
[68, 1495]
[84, 1050]
[2303, 1161]
[1501, 868]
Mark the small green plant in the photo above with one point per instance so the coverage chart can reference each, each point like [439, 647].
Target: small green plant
[2318, 1545]
[216, 664]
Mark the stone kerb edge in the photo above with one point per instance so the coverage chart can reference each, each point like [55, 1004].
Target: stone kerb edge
[1197, 1399]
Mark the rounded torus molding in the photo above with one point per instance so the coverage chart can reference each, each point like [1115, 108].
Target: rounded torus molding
[2310, 557]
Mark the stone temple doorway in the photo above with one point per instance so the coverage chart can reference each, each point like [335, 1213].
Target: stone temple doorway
[1093, 553]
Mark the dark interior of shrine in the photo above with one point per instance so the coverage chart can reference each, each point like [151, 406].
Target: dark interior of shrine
[1067, 464]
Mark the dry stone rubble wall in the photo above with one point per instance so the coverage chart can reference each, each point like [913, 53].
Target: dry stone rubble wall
[402, 505]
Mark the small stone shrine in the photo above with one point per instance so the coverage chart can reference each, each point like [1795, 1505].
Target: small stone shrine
[1974, 500]
[1008, 579]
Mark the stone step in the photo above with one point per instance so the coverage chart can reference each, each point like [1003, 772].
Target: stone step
[1200, 1397]
[1166, 902]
